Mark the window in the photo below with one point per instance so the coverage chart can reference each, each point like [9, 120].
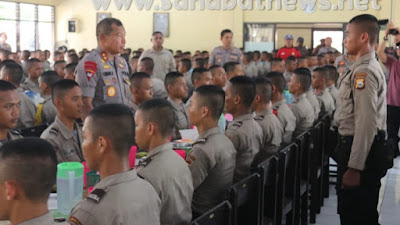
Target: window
[28, 26]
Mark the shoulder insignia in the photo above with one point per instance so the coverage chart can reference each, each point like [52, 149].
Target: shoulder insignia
[200, 141]
[365, 62]
[104, 56]
[96, 195]
[145, 161]
[53, 130]
[237, 123]
[360, 80]
[259, 118]
[90, 69]
[73, 220]
[342, 63]
[190, 159]
[14, 132]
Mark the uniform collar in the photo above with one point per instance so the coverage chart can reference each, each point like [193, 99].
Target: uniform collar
[243, 117]
[152, 50]
[363, 58]
[321, 92]
[63, 129]
[300, 97]
[160, 148]
[209, 132]
[104, 55]
[279, 103]
[46, 219]
[47, 98]
[115, 179]
[265, 112]
[174, 104]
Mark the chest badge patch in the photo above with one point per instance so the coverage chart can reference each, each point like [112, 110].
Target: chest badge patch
[111, 91]
[360, 80]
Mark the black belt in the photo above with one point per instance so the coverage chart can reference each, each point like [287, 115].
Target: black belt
[381, 136]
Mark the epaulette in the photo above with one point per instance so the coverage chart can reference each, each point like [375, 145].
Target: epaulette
[145, 161]
[53, 130]
[237, 123]
[200, 141]
[96, 195]
[14, 132]
[259, 117]
[365, 62]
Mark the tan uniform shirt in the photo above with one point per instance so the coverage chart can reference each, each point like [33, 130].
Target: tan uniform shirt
[104, 80]
[122, 198]
[133, 106]
[164, 62]
[46, 219]
[181, 119]
[314, 103]
[304, 114]
[27, 111]
[220, 56]
[333, 91]
[189, 82]
[11, 135]
[159, 89]
[212, 162]
[273, 134]
[247, 138]
[171, 177]
[287, 119]
[30, 85]
[361, 106]
[250, 70]
[49, 111]
[66, 144]
[326, 101]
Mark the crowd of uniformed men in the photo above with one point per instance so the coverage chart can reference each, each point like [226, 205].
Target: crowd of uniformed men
[146, 102]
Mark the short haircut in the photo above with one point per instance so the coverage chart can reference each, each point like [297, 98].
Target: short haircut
[230, 66]
[248, 56]
[114, 121]
[333, 75]
[26, 54]
[197, 73]
[31, 62]
[291, 59]
[61, 87]
[148, 63]
[257, 54]
[57, 53]
[245, 88]
[226, 31]
[171, 78]
[70, 67]
[275, 61]
[369, 24]
[14, 70]
[105, 26]
[73, 57]
[6, 86]
[303, 76]
[322, 72]
[264, 89]
[160, 112]
[213, 98]
[32, 163]
[157, 32]
[58, 63]
[49, 77]
[200, 62]
[301, 59]
[137, 78]
[186, 63]
[213, 68]
[278, 80]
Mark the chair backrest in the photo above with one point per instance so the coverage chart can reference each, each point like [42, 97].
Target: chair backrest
[303, 142]
[268, 171]
[219, 215]
[245, 198]
[35, 131]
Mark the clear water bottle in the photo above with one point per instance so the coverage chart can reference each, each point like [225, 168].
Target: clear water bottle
[69, 186]
[222, 123]
[288, 96]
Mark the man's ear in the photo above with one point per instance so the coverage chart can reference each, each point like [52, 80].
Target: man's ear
[257, 98]
[151, 129]
[103, 143]
[273, 89]
[11, 189]
[237, 99]
[204, 111]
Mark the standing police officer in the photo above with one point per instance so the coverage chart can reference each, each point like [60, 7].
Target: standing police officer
[225, 53]
[103, 75]
[361, 119]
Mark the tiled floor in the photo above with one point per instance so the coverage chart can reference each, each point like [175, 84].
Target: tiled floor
[389, 201]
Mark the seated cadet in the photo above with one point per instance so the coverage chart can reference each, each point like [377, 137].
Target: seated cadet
[9, 112]
[310, 95]
[312, 62]
[319, 82]
[212, 157]
[299, 85]
[290, 66]
[277, 65]
[200, 76]
[218, 76]
[13, 73]
[184, 67]
[332, 79]
[146, 65]
[46, 112]
[59, 67]
[302, 62]
[249, 68]
[163, 168]
[34, 67]
[233, 69]
[269, 123]
[244, 132]
[141, 88]
[281, 109]
[121, 196]
[27, 175]
[65, 134]
[69, 71]
[177, 91]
